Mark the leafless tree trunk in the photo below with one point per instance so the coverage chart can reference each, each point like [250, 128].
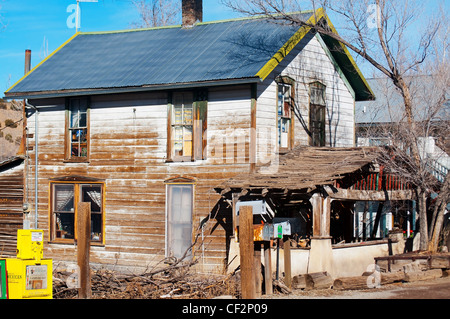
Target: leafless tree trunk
[384, 34]
[437, 221]
[156, 13]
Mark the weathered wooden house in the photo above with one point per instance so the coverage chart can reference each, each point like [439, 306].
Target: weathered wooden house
[143, 124]
[11, 203]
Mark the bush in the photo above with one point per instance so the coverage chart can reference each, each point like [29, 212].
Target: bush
[10, 123]
[9, 138]
[3, 105]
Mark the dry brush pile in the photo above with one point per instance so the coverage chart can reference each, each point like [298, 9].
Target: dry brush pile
[171, 282]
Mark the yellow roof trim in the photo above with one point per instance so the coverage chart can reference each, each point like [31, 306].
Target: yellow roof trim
[289, 45]
[59, 48]
[296, 38]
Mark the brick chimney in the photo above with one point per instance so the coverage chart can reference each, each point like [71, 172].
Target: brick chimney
[192, 11]
[27, 61]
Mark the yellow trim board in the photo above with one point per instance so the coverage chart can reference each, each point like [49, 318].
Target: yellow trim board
[53, 53]
[289, 45]
[296, 38]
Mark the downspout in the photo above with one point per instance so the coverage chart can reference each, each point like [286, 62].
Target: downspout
[36, 160]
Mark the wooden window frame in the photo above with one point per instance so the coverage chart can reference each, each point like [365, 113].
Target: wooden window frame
[285, 81]
[179, 181]
[313, 108]
[77, 195]
[68, 157]
[199, 126]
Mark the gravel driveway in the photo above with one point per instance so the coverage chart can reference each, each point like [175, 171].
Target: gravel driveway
[432, 289]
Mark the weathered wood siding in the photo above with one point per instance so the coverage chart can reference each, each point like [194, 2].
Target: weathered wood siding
[128, 136]
[128, 150]
[309, 62]
[11, 201]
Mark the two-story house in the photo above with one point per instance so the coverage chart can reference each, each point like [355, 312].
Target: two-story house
[143, 124]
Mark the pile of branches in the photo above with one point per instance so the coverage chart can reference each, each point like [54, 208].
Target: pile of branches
[169, 283]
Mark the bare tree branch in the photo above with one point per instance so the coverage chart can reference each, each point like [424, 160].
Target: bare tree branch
[156, 13]
[398, 50]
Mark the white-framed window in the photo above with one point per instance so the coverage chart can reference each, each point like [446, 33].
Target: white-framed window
[179, 212]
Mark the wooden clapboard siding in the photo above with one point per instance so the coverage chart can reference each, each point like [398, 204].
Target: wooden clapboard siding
[128, 150]
[310, 63]
[11, 201]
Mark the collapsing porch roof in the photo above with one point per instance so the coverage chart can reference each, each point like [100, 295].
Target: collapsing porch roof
[306, 168]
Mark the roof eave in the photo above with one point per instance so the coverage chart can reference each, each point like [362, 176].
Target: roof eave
[119, 90]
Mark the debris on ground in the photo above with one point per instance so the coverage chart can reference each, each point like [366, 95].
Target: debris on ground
[170, 284]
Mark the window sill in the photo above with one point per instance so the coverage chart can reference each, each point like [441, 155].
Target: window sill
[181, 160]
[282, 151]
[71, 242]
[86, 161]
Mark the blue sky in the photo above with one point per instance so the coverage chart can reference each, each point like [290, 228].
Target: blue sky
[34, 24]
[31, 23]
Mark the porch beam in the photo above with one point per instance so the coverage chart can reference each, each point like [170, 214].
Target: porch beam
[364, 195]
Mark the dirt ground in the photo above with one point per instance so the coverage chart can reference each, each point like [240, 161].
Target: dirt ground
[430, 289]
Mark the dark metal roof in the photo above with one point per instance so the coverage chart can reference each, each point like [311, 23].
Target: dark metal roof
[226, 52]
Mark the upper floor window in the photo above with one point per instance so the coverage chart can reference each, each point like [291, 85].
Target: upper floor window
[77, 129]
[182, 125]
[317, 108]
[187, 126]
[285, 105]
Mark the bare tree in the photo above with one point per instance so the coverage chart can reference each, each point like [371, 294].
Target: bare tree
[156, 13]
[386, 34]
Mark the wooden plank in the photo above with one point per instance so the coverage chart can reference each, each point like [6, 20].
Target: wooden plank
[246, 252]
[268, 284]
[440, 262]
[299, 282]
[83, 249]
[318, 280]
[253, 145]
[350, 283]
[287, 262]
[367, 195]
[423, 275]
[258, 269]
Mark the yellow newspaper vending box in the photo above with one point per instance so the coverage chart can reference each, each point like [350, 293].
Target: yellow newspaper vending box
[29, 275]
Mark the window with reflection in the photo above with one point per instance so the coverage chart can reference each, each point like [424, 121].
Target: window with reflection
[285, 106]
[64, 204]
[77, 129]
[317, 108]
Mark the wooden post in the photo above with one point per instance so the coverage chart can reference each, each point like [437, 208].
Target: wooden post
[246, 248]
[253, 142]
[287, 262]
[258, 269]
[268, 269]
[83, 249]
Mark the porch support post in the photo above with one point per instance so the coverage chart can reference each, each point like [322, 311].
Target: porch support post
[321, 253]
